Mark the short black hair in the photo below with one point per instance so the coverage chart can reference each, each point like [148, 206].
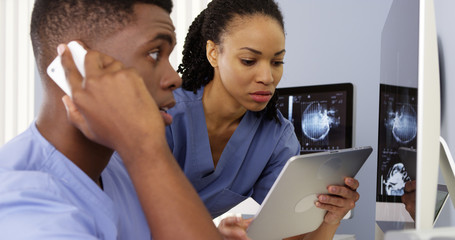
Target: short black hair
[211, 24]
[58, 21]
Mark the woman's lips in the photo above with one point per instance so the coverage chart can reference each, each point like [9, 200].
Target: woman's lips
[261, 96]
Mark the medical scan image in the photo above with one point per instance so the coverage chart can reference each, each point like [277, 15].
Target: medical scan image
[395, 180]
[319, 119]
[397, 129]
[403, 124]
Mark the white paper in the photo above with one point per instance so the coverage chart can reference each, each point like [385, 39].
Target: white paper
[248, 207]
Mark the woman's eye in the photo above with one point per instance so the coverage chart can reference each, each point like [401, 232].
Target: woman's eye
[248, 62]
[278, 63]
[154, 54]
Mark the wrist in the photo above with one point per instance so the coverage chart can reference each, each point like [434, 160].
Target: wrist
[146, 145]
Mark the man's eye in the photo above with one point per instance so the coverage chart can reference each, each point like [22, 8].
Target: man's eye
[154, 55]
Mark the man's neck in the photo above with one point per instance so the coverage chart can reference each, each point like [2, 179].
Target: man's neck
[89, 156]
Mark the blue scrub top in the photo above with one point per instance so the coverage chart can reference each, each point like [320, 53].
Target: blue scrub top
[44, 195]
[249, 164]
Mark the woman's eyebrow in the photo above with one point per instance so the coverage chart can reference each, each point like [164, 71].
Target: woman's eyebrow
[260, 53]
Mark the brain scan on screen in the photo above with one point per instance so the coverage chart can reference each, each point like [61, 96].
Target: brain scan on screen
[317, 121]
[403, 123]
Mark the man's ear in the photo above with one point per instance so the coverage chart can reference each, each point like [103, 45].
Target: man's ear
[212, 53]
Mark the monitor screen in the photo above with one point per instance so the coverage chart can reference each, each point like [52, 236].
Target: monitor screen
[397, 131]
[321, 115]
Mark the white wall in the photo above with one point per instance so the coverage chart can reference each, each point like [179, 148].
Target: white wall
[16, 68]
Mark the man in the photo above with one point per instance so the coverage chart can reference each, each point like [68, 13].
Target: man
[58, 180]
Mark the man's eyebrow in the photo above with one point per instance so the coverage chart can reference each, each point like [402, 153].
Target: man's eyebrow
[260, 53]
[168, 38]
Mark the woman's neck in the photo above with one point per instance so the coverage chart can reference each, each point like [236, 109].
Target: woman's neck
[220, 108]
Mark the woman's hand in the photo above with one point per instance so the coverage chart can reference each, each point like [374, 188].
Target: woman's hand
[339, 201]
[234, 228]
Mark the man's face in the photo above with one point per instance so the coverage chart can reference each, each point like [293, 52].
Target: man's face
[145, 44]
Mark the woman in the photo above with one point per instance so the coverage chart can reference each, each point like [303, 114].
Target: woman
[227, 134]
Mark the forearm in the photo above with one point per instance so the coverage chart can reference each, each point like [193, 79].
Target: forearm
[171, 205]
[325, 231]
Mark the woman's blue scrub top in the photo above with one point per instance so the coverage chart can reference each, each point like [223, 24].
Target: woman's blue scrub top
[249, 164]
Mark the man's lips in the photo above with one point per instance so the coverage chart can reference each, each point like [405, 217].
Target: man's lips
[166, 117]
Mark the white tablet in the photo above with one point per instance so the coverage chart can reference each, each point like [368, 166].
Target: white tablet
[288, 208]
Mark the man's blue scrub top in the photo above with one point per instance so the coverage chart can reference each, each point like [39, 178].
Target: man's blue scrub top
[249, 164]
[43, 195]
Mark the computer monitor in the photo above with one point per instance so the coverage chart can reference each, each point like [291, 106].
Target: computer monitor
[321, 115]
[409, 59]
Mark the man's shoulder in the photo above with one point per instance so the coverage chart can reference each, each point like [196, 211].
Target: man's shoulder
[24, 189]
[39, 203]
[20, 182]
[26, 151]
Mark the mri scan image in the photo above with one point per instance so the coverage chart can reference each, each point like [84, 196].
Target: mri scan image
[403, 124]
[317, 121]
[395, 180]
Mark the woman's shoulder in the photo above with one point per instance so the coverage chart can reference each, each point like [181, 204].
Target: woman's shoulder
[182, 95]
[275, 128]
[186, 102]
[280, 122]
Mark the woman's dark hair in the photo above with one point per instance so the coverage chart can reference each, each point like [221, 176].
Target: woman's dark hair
[211, 24]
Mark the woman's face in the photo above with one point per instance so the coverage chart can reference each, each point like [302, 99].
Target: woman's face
[249, 60]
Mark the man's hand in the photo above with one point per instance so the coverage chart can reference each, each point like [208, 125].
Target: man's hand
[234, 228]
[113, 107]
[409, 198]
[340, 201]
[111, 102]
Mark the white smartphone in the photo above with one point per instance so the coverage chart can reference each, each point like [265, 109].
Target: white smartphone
[55, 69]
